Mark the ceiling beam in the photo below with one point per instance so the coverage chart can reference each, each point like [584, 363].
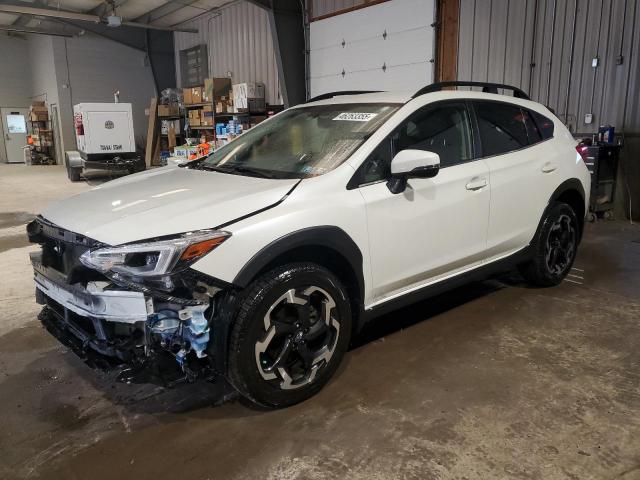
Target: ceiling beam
[43, 11]
[49, 12]
[33, 30]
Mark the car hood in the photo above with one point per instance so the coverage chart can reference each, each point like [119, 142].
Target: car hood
[164, 201]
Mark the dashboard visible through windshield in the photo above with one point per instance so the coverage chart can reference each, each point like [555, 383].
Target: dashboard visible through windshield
[300, 142]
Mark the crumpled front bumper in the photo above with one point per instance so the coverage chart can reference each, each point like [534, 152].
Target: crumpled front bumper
[111, 305]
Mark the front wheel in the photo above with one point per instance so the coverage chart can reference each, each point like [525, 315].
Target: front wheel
[554, 247]
[290, 334]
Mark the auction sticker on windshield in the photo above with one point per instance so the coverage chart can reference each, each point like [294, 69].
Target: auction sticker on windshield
[355, 117]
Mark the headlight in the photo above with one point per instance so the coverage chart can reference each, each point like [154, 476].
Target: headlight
[151, 259]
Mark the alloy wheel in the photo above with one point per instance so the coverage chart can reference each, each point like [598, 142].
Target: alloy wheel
[561, 245]
[301, 332]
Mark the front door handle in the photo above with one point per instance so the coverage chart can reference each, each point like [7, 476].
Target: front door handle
[548, 167]
[476, 183]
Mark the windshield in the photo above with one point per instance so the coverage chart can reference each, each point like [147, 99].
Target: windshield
[301, 142]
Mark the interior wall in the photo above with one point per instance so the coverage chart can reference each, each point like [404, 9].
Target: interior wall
[547, 48]
[90, 69]
[239, 40]
[15, 85]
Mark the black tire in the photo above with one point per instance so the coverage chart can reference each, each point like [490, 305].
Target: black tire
[268, 294]
[74, 173]
[554, 247]
[139, 166]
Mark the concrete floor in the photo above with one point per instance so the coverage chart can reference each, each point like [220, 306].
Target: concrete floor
[492, 380]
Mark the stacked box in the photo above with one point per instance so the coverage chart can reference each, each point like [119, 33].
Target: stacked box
[168, 110]
[206, 116]
[186, 96]
[248, 97]
[216, 88]
[167, 124]
[196, 95]
[194, 118]
[185, 150]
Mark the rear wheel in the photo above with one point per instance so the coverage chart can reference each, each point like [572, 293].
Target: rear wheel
[74, 173]
[555, 247]
[290, 334]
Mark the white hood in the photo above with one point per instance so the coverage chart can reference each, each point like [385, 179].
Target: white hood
[164, 201]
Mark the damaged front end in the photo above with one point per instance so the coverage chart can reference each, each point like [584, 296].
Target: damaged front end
[137, 308]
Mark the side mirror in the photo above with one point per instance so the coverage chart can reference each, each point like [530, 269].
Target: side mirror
[412, 164]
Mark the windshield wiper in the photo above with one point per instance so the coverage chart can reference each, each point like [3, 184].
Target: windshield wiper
[256, 172]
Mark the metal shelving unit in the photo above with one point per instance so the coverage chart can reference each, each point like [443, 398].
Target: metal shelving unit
[42, 154]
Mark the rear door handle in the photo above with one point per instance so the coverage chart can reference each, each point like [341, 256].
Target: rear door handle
[476, 183]
[548, 167]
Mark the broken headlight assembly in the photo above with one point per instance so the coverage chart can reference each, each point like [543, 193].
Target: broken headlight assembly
[154, 261]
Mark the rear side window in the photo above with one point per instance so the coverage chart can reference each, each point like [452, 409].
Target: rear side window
[544, 124]
[532, 129]
[502, 127]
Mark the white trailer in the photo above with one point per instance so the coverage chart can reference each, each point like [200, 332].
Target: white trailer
[105, 139]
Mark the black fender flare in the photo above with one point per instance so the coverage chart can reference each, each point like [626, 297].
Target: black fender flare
[569, 184]
[326, 236]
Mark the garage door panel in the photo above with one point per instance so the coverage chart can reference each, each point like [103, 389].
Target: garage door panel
[406, 50]
[367, 54]
[402, 77]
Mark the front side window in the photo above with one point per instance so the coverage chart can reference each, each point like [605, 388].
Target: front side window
[502, 127]
[301, 142]
[442, 128]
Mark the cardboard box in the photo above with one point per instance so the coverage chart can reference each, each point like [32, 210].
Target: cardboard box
[256, 105]
[214, 88]
[168, 110]
[185, 150]
[38, 107]
[186, 96]
[194, 122]
[39, 117]
[206, 118]
[243, 92]
[248, 90]
[170, 124]
[196, 95]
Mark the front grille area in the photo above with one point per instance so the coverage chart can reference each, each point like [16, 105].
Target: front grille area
[61, 250]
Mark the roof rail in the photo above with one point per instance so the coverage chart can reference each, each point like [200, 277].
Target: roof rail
[486, 87]
[325, 96]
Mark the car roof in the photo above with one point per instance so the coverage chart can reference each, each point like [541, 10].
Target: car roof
[404, 97]
[376, 97]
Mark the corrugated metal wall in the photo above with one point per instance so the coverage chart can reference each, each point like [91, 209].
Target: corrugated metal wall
[238, 38]
[546, 47]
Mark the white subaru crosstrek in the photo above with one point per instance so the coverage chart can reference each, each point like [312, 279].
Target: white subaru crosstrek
[258, 264]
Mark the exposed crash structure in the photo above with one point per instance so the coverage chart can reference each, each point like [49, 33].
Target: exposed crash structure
[129, 307]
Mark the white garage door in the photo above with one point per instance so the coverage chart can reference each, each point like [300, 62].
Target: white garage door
[389, 46]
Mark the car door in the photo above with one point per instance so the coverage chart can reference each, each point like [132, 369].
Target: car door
[438, 225]
[523, 174]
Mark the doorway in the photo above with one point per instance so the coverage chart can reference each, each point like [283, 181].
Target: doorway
[14, 125]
